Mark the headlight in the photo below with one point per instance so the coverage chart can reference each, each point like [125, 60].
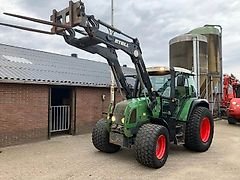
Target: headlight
[234, 103]
[113, 118]
[123, 120]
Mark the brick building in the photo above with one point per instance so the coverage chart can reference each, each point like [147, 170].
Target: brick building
[42, 94]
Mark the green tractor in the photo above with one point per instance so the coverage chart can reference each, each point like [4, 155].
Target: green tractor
[161, 108]
[179, 117]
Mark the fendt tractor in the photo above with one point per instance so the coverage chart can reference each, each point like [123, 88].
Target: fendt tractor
[160, 108]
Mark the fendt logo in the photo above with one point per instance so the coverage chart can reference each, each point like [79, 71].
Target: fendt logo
[122, 43]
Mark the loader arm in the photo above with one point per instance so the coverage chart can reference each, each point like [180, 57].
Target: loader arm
[91, 43]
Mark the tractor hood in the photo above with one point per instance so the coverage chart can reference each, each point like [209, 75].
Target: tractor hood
[130, 114]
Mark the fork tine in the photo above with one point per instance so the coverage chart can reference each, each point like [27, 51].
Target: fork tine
[27, 29]
[38, 20]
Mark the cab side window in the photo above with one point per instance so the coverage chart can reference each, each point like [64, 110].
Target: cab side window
[185, 86]
[182, 88]
[192, 86]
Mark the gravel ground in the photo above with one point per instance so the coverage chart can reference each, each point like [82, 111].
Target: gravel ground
[74, 157]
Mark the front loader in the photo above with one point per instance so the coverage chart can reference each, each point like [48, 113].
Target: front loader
[160, 108]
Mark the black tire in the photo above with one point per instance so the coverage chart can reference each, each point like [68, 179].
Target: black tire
[197, 136]
[146, 149]
[100, 138]
[231, 120]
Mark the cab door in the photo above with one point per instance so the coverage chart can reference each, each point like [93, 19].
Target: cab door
[185, 88]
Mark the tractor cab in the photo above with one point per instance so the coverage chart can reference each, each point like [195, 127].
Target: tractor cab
[181, 88]
[176, 87]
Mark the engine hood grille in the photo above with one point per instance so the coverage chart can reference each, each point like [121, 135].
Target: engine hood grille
[119, 111]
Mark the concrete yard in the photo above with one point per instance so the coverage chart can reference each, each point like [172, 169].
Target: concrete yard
[74, 157]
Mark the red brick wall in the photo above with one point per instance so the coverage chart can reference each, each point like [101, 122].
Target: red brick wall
[23, 113]
[89, 107]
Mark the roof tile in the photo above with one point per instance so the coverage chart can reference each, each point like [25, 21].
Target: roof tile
[32, 66]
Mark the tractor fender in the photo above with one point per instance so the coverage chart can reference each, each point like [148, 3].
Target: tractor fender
[197, 103]
[170, 125]
[160, 121]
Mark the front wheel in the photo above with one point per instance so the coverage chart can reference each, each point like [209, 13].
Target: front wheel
[100, 138]
[151, 145]
[199, 130]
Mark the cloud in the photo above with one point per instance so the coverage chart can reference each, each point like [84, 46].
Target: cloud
[153, 22]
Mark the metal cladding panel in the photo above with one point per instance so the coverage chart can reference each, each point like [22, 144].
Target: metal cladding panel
[182, 55]
[181, 52]
[214, 56]
[31, 66]
[213, 36]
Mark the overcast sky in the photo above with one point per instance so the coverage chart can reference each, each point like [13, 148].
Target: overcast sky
[153, 22]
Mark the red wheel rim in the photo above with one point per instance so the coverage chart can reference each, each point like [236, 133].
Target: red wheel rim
[205, 129]
[161, 146]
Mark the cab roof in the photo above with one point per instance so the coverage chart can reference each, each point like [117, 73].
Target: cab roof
[166, 70]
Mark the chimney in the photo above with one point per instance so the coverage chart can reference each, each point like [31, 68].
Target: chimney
[74, 55]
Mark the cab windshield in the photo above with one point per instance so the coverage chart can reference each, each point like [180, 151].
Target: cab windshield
[161, 84]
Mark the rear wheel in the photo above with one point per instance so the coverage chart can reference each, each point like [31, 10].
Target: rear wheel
[199, 130]
[151, 145]
[100, 138]
[231, 120]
